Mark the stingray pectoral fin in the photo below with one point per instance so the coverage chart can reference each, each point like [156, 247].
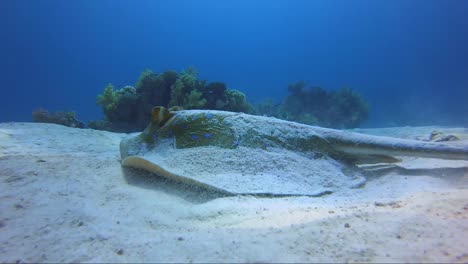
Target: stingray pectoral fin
[144, 164]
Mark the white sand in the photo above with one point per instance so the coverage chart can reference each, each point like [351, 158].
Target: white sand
[65, 198]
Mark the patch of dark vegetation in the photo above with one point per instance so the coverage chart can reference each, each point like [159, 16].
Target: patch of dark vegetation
[68, 119]
[343, 108]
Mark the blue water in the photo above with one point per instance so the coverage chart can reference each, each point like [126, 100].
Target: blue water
[409, 59]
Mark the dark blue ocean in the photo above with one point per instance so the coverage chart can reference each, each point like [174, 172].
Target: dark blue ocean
[408, 58]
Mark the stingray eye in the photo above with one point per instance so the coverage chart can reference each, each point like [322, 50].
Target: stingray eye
[155, 114]
[161, 115]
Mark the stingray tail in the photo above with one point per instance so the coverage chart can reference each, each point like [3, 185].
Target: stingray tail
[360, 144]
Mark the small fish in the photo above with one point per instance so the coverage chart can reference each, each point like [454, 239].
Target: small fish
[207, 135]
[194, 137]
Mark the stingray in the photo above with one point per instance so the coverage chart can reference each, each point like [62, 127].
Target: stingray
[237, 153]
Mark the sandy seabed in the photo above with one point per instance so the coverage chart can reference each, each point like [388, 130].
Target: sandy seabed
[65, 198]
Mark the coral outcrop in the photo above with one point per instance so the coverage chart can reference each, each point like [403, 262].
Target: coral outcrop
[61, 118]
[128, 109]
[343, 108]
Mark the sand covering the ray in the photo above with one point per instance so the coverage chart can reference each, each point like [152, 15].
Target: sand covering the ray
[248, 170]
[66, 198]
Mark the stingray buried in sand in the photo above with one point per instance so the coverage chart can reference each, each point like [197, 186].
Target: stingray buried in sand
[244, 154]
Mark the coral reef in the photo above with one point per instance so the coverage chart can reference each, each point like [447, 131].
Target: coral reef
[343, 108]
[214, 94]
[129, 109]
[61, 118]
[185, 92]
[118, 105]
[236, 102]
[347, 109]
[154, 89]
